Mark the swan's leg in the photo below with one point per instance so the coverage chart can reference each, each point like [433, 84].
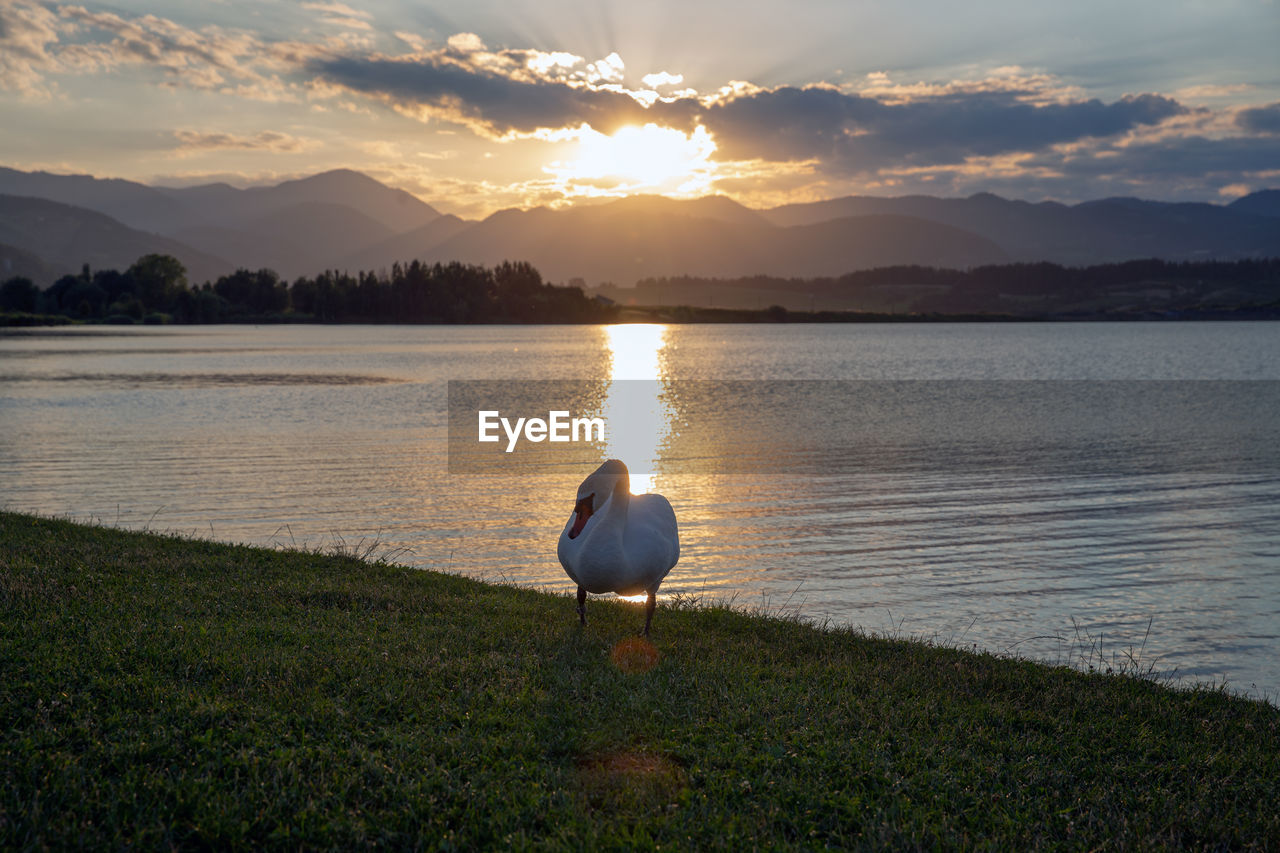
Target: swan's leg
[582, 606]
[649, 604]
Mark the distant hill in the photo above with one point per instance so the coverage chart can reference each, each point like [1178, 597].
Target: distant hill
[63, 238]
[218, 204]
[136, 205]
[715, 207]
[19, 262]
[1140, 288]
[294, 227]
[411, 245]
[1093, 232]
[630, 240]
[300, 239]
[1261, 203]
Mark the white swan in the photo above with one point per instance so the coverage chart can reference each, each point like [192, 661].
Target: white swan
[616, 541]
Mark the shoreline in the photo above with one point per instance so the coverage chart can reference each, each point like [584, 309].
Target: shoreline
[695, 315]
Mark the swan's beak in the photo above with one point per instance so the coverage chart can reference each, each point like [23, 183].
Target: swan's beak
[583, 511]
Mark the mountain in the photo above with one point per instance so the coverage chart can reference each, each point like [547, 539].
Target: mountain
[133, 204]
[1114, 229]
[1261, 203]
[19, 262]
[716, 207]
[63, 237]
[346, 220]
[300, 239]
[295, 227]
[411, 245]
[634, 239]
[164, 209]
[220, 204]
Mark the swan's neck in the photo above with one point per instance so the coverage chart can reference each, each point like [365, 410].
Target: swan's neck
[614, 517]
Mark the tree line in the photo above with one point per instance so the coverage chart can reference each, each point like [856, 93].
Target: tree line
[1026, 289]
[155, 290]
[1013, 278]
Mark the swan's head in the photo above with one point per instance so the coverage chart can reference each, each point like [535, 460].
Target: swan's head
[603, 483]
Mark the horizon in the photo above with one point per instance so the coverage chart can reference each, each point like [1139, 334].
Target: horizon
[522, 105]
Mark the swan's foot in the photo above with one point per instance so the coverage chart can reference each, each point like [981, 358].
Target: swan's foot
[650, 603]
[582, 606]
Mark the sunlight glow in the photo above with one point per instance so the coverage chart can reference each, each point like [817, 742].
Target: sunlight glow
[638, 159]
[638, 418]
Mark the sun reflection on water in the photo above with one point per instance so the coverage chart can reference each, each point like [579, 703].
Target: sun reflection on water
[638, 418]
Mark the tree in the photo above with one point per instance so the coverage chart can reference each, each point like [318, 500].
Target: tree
[157, 279]
[518, 290]
[84, 299]
[55, 295]
[19, 294]
[114, 283]
[209, 306]
[259, 292]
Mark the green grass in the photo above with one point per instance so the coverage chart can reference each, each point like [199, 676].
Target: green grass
[159, 691]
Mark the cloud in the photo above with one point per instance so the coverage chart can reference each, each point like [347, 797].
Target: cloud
[341, 9]
[195, 141]
[503, 93]
[855, 133]
[1260, 119]
[26, 32]
[1190, 168]
[347, 23]
[1198, 158]
[662, 78]
[1027, 86]
[202, 59]
[507, 93]
[39, 42]
[1212, 90]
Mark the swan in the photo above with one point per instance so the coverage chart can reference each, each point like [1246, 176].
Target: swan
[616, 541]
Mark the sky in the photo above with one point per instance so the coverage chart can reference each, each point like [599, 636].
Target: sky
[481, 105]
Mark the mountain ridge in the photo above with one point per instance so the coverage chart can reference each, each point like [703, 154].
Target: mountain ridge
[63, 237]
[345, 219]
[1091, 232]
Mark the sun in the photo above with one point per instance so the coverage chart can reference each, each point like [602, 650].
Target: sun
[635, 159]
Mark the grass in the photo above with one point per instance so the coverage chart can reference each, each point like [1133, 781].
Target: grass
[160, 691]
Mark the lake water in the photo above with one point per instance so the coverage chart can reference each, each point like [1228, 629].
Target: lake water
[1051, 490]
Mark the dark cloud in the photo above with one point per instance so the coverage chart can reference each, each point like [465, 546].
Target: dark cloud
[1196, 158]
[855, 133]
[847, 133]
[1260, 119]
[496, 102]
[921, 141]
[790, 123]
[268, 140]
[1190, 168]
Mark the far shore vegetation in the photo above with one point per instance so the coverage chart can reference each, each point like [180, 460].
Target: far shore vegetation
[160, 691]
[155, 290]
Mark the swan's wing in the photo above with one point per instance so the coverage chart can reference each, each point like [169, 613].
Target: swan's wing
[653, 537]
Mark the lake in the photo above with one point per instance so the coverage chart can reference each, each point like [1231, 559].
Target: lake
[1067, 492]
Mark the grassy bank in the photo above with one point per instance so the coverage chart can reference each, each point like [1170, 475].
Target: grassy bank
[161, 691]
